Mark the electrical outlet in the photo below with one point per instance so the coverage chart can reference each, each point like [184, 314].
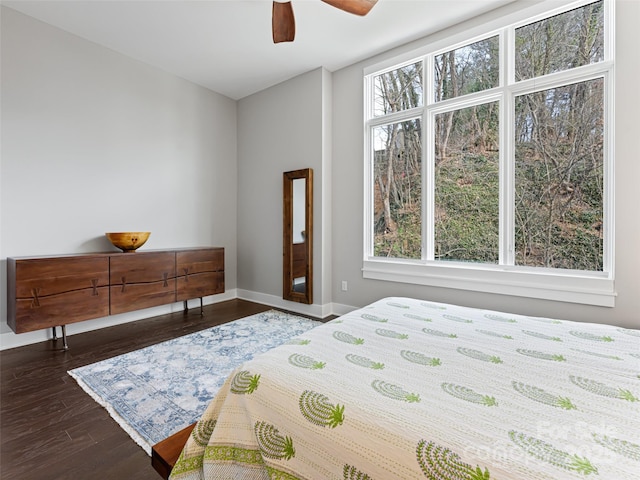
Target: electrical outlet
[344, 285]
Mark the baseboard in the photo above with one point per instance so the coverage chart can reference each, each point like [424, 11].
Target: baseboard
[341, 309]
[313, 310]
[11, 340]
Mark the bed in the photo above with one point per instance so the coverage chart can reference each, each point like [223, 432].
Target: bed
[411, 389]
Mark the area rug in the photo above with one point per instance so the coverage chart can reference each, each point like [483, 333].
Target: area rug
[156, 391]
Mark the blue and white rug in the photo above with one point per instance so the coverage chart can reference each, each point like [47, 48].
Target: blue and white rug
[156, 391]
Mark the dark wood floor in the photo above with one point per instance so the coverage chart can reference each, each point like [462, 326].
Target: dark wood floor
[51, 429]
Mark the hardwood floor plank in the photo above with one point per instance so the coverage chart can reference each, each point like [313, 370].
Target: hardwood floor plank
[113, 458]
[51, 429]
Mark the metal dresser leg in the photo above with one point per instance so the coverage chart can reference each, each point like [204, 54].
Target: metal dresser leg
[65, 346]
[64, 337]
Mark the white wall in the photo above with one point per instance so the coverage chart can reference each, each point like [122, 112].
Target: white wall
[93, 141]
[279, 129]
[347, 192]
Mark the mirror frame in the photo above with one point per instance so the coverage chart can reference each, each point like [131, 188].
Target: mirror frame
[288, 292]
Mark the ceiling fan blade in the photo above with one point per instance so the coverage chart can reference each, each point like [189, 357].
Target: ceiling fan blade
[283, 23]
[357, 7]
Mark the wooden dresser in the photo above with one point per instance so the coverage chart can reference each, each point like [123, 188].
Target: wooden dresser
[45, 292]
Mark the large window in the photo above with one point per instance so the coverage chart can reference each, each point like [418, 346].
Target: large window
[488, 166]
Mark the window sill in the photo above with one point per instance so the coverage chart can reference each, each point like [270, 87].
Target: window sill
[570, 286]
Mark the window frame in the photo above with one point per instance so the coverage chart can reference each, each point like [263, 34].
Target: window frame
[574, 286]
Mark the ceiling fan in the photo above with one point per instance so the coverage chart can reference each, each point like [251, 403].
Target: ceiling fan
[283, 22]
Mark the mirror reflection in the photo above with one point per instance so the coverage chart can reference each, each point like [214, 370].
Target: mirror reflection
[297, 235]
[299, 251]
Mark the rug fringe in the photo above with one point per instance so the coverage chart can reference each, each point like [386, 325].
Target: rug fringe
[112, 412]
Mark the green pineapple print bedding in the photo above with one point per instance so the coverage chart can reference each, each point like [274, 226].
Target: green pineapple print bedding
[411, 389]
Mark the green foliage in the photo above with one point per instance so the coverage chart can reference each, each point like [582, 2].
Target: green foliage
[468, 69]
[275, 474]
[347, 338]
[478, 355]
[560, 42]
[541, 335]
[469, 395]
[398, 191]
[603, 390]
[420, 359]
[398, 305]
[467, 208]
[399, 89]
[364, 362]
[245, 383]
[439, 333]
[591, 336]
[202, 432]
[272, 444]
[622, 447]
[548, 453]
[406, 240]
[542, 396]
[541, 355]
[559, 156]
[456, 318]
[394, 391]
[317, 409]
[466, 193]
[440, 463]
[417, 317]
[352, 473]
[391, 334]
[374, 318]
[305, 361]
[494, 334]
[500, 318]
[559, 172]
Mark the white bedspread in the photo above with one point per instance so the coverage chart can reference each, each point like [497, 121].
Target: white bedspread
[409, 389]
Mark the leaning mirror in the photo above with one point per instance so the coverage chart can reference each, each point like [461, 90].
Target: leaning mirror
[297, 237]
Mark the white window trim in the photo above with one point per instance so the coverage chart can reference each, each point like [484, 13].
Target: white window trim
[588, 288]
[573, 287]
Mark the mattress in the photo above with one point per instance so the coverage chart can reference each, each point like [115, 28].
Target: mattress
[411, 389]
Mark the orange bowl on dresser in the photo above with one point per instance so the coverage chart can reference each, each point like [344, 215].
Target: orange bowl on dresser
[128, 241]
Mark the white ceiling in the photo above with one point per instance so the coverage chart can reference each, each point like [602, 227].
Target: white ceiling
[226, 45]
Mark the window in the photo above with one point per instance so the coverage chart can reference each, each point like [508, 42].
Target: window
[467, 184]
[559, 177]
[488, 164]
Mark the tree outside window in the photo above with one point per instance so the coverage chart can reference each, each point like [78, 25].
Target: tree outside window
[444, 188]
